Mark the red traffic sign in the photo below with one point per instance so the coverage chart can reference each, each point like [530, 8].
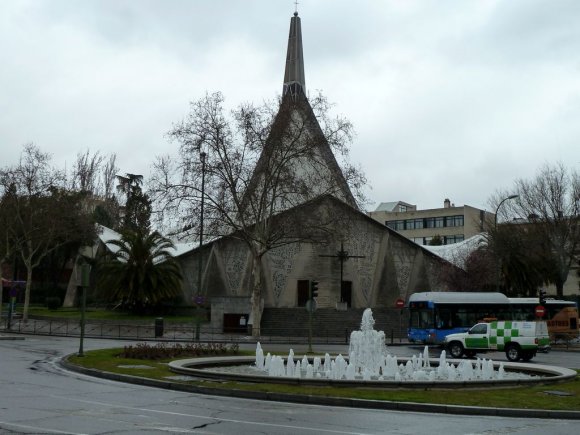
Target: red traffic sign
[540, 311]
[400, 303]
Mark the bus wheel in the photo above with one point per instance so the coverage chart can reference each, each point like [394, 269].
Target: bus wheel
[456, 349]
[513, 352]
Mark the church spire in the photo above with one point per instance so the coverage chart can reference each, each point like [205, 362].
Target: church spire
[294, 82]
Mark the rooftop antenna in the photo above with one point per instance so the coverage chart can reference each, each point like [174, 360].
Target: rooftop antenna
[295, 7]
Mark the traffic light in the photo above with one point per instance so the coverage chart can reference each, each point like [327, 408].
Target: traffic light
[542, 296]
[313, 289]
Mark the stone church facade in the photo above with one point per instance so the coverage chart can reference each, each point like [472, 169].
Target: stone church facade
[360, 263]
[381, 267]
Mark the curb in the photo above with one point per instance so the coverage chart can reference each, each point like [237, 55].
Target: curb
[326, 401]
[9, 337]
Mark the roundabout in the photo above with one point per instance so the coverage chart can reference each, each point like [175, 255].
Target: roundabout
[238, 369]
[370, 365]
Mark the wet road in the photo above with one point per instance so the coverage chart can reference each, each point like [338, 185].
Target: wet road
[37, 396]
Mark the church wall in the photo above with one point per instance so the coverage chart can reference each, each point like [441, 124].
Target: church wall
[392, 267]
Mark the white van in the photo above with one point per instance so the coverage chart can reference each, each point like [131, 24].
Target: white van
[519, 340]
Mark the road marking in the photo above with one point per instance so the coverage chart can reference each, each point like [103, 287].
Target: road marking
[228, 420]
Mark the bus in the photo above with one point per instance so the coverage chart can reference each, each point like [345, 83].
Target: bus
[434, 315]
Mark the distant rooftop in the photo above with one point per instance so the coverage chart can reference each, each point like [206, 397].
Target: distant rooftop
[395, 206]
[402, 206]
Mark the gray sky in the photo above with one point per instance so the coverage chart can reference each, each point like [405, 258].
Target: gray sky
[449, 98]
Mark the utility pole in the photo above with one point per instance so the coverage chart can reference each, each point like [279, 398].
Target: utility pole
[498, 260]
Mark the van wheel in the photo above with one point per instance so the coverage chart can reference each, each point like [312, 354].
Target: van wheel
[527, 356]
[455, 349]
[513, 352]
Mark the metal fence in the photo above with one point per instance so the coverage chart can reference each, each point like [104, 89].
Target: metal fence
[165, 331]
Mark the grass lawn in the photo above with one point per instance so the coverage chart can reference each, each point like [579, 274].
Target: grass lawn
[535, 397]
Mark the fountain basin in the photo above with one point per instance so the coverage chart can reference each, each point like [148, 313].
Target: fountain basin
[206, 368]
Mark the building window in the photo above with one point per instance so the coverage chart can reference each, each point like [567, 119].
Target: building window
[454, 221]
[402, 208]
[439, 222]
[396, 225]
[413, 224]
[448, 240]
[429, 222]
[418, 224]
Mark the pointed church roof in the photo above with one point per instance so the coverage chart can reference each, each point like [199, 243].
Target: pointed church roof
[321, 172]
[294, 82]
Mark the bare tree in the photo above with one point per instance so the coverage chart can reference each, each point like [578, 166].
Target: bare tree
[85, 176]
[470, 267]
[249, 166]
[549, 204]
[43, 216]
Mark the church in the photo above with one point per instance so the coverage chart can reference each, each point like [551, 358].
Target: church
[361, 264]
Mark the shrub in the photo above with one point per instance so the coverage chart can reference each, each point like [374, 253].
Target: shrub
[175, 350]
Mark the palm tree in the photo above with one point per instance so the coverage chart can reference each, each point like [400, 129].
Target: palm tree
[142, 272]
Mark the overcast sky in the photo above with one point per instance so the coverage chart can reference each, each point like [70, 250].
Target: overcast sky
[450, 99]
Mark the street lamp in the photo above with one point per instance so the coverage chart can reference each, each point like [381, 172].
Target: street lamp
[497, 269]
[202, 156]
[83, 278]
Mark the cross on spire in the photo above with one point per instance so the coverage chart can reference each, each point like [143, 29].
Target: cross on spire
[296, 7]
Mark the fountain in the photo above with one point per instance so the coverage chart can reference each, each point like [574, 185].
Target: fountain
[368, 360]
[369, 363]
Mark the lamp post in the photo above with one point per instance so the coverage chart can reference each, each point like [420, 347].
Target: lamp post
[84, 272]
[497, 269]
[202, 156]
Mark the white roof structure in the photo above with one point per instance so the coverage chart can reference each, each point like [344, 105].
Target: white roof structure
[107, 234]
[392, 206]
[457, 253]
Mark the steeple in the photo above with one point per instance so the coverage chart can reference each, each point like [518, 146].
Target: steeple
[313, 170]
[294, 82]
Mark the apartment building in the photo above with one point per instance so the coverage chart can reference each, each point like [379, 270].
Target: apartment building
[451, 223]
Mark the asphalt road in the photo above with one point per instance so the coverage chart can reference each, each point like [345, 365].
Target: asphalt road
[38, 397]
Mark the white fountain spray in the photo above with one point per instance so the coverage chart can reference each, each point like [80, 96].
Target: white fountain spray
[368, 360]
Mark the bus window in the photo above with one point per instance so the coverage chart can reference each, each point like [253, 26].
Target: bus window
[443, 319]
[422, 319]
